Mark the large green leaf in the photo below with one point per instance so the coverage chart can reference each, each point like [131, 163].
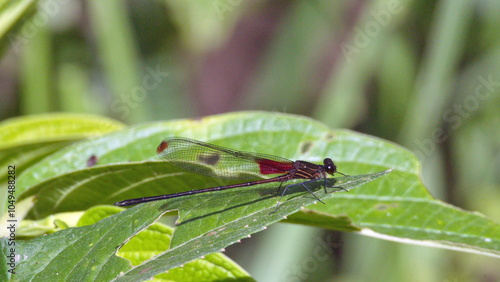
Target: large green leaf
[26, 140]
[29, 130]
[158, 238]
[207, 224]
[97, 240]
[395, 207]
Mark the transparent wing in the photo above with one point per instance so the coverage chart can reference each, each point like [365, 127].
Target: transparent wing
[220, 162]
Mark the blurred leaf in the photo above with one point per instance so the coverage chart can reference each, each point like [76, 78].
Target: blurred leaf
[52, 127]
[343, 101]
[36, 74]
[120, 59]
[11, 15]
[297, 74]
[203, 25]
[433, 84]
[52, 223]
[396, 82]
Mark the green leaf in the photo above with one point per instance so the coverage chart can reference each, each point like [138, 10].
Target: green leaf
[8, 259]
[412, 220]
[53, 127]
[155, 240]
[395, 207]
[83, 253]
[26, 140]
[11, 17]
[50, 224]
[209, 222]
[97, 240]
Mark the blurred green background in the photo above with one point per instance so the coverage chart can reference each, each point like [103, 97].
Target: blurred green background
[424, 74]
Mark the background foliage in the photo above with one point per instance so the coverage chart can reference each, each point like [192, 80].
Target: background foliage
[423, 74]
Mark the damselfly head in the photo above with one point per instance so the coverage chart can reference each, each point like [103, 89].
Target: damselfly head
[330, 167]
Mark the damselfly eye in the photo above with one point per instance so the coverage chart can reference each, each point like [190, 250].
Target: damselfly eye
[330, 167]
